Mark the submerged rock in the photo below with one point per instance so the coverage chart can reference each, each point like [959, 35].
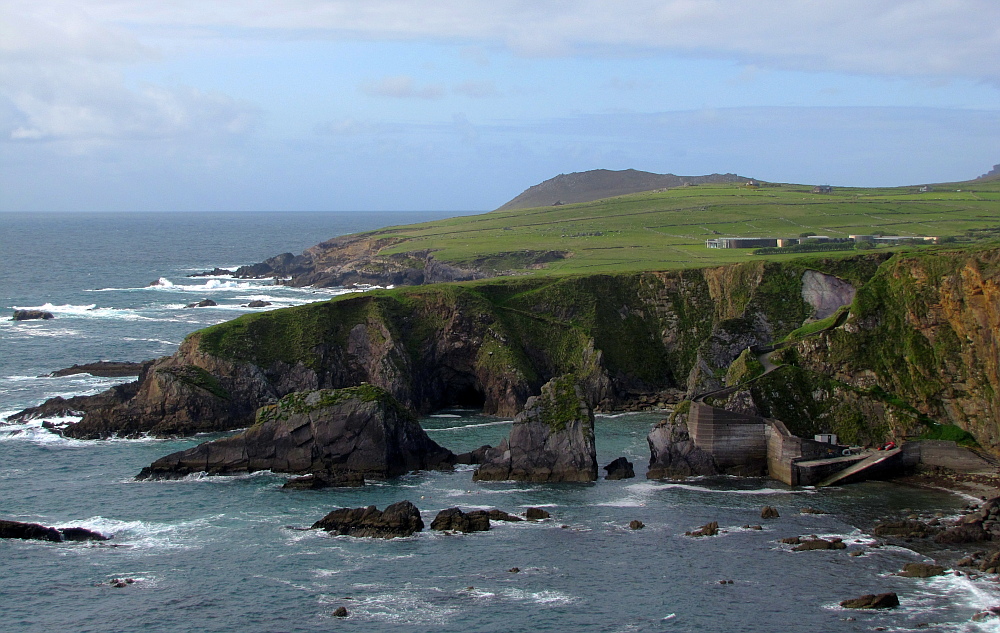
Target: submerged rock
[552, 439]
[332, 434]
[872, 601]
[769, 512]
[921, 570]
[400, 519]
[258, 303]
[500, 515]
[709, 529]
[672, 452]
[621, 468]
[453, 519]
[34, 531]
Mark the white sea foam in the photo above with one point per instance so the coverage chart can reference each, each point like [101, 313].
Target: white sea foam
[759, 491]
[399, 608]
[146, 534]
[548, 598]
[33, 431]
[469, 426]
[444, 415]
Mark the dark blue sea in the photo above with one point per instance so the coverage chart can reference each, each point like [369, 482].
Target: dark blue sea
[226, 554]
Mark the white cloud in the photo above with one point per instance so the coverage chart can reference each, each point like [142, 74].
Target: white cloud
[892, 37]
[61, 79]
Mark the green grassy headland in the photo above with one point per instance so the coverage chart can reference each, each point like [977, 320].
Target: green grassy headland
[667, 230]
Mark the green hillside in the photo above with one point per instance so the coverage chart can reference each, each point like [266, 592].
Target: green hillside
[667, 230]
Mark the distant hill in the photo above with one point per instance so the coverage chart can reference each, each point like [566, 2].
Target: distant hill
[587, 186]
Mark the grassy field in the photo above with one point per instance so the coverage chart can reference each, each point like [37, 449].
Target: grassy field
[667, 230]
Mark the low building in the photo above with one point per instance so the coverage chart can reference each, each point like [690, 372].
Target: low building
[741, 242]
[822, 189]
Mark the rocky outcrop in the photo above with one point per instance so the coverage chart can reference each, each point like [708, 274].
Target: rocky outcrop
[454, 520]
[551, 440]
[819, 543]
[204, 303]
[29, 315]
[621, 468]
[536, 514]
[398, 520]
[921, 570]
[324, 433]
[672, 452]
[34, 531]
[258, 303]
[826, 293]
[104, 369]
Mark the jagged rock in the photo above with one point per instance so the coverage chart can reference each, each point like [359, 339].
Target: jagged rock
[709, 529]
[769, 512]
[397, 520]
[326, 433]
[453, 519]
[104, 369]
[258, 303]
[872, 601]
[818, 543]
[204, 303]
[552, 439]
[500, 515]
[825, 293]
[29, 315]
[621, 468]
[791, 540]
[536, 514]
[34, 531]
[921, 570]
[672, 452]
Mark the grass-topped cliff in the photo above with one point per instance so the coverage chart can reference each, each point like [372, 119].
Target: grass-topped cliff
[659, 230]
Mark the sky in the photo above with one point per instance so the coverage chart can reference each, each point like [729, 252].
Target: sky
[357, 105]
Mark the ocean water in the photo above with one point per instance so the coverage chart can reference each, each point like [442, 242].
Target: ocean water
[229, 553]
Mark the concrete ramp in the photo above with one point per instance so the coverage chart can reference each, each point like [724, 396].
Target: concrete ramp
[858, 470]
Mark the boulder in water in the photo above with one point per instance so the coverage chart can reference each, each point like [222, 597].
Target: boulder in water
[204, 303]
[29, 315]
[536, 514]
[258, 303]
[921, 570]
[453, 519]
[872, 601]
[397, 520]
[621, 468]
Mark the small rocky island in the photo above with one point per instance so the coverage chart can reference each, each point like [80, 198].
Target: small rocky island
[551, 440]
[334, 437]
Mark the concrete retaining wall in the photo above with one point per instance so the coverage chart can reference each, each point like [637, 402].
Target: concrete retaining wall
[946, 454]
[736, 441]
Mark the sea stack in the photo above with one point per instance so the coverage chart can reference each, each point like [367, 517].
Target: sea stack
[552, 439]
[327, 433]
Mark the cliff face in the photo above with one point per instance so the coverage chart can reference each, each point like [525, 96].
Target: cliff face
[918, 346]
[922, 338]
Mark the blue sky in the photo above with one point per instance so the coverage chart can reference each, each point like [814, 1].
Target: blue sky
[462, 104]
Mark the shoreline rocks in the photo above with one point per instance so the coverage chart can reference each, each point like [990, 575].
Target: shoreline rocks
[551, 440]
[332, 434]
[398, 520]
[204, 303]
